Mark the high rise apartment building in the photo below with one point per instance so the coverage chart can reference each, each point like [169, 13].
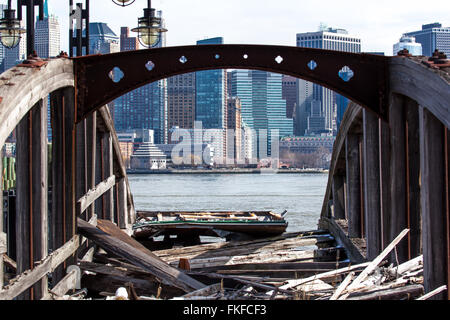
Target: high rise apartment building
[47, 36]
[262, 105]
[145, 107]
[289, 93]
[234, 127]
[102, 39]
[181, 101]
[329, 39]
[211, 94]
[432, 36]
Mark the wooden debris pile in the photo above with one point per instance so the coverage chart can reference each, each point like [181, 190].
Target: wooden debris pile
[292, 266]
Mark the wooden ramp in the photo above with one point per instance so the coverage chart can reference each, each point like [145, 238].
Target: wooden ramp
[114, 241]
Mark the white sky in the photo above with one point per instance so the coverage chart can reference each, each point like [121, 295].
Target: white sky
[379, 23]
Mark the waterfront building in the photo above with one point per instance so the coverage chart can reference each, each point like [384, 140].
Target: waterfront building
[145, 107]
[262, 106]
[329, 39]
[409, 43]
[234, 134]
[148, 156]
[207, 152]
[432, 36]
[211, 94]
[307, 144]
[181, 100]
[289, 93]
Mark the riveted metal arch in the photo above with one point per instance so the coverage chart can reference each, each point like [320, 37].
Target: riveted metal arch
[95, 88]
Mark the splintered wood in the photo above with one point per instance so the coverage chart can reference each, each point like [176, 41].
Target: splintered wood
[293, 266]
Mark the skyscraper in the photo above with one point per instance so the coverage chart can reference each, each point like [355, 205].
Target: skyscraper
[432, 36]
[262, 105]
[211, 94]
[127, 43]
[330, 39]
[181, 101]
[289, 93]
[145, 107]
[47, 35]
[409, 43]
[102, 39]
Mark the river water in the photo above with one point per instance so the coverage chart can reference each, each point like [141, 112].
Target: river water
[300, 194]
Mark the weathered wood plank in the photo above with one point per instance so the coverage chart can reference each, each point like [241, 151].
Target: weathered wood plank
[353, 179]
[407, 292]
[93, 194]
[67, 283]
[338, 196]
[107, 152]
[48, 264]
[147, 261]
[122, 211]
[91, 136]
[374, 264]
[398, 214]
[433, 202]
[371, 167]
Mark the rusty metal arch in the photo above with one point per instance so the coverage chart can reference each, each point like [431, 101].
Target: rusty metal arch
[94, 88]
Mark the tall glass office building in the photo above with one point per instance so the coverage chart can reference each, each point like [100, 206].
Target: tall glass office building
[432, 36]
[329, 39]
[145, 107]
[262, 105]
[211, 95]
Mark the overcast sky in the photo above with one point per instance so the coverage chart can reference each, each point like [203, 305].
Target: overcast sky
[379, 23]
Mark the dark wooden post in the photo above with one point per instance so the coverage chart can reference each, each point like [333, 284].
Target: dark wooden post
[81, 186]
[3, 242]
[353, 185]
[338, 196]
[107, 152]
[122, 204]
[32, 190]
[413, 178]
[99, 173]
[371, 167]
[91, 138]
[398, 214]
[385, 183]
[434, 201]
[63, 170]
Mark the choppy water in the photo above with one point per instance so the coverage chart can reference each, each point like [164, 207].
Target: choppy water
[300, 194]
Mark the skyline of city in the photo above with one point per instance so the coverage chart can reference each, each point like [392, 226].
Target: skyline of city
[316, 110]
[380, 24]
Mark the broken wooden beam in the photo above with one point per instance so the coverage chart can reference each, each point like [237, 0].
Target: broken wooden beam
[138, 257]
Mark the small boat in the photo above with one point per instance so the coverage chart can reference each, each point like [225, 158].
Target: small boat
[211, 223]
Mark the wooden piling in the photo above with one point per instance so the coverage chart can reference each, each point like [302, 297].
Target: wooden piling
[434, 202]
[31, 214]
[398, 215]
[63, 167]
[338, 196]
[353, 185]
[107, 152]
[371, 167]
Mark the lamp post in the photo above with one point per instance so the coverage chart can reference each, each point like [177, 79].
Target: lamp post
[149, 27]
[10, 30]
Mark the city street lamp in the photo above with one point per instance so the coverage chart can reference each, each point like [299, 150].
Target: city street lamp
[123, 3]
[10, 30]
[149, 27]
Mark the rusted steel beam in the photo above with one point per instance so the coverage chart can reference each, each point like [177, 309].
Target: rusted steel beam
[98, 82]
